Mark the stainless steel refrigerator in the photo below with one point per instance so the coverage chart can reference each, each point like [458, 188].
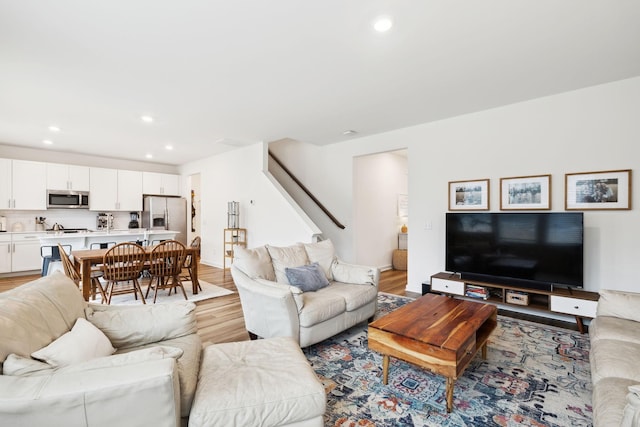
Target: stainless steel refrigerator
[166, 213]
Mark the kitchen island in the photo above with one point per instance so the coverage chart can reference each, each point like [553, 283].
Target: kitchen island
[84, 239]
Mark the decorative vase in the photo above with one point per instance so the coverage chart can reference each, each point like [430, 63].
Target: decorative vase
[404, 228]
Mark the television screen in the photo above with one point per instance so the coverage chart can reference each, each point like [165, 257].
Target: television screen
[527, 249]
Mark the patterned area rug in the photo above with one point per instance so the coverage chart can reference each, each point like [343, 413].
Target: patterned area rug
[534, 375]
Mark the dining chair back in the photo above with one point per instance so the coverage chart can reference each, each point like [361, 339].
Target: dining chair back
[190, 259]
[121, 266]
[71, 272]
[165, 266]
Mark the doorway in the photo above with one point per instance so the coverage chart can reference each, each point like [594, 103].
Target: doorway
[380, 203]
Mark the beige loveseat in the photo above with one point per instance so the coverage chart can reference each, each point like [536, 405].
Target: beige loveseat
[140, 365]
[273, 307]
[615, 359]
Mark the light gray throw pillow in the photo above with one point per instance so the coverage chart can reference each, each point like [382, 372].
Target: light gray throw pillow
[308, 278]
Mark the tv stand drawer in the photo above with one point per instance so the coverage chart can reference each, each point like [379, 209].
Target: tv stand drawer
[447, 286]
[573, 306]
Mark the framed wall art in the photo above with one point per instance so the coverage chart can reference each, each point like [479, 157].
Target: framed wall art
[525, 192]
[469, 195]
[598, 190]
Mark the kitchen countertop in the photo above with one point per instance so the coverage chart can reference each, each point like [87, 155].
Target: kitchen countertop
[84, 239]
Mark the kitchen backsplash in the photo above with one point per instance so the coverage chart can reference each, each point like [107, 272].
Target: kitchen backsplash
[68, 218]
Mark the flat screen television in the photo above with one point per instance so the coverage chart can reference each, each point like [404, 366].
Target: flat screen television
[535, 250]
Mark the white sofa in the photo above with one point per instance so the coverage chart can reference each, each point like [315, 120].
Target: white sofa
[272, 307]
[155, 376]
[615, 357]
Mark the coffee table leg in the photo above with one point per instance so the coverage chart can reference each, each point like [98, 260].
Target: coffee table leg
[450, 384]
[385, 369]
[484, 351]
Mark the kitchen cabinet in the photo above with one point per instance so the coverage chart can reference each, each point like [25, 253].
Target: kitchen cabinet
[5, 252]
[26, 252]
[115, 190]
[20, 252]
[160, 183]
[23, 185]
[67, 177]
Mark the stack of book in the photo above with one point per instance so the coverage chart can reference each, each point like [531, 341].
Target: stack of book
[477, 292]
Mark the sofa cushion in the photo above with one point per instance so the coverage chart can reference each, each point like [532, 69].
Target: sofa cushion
[83, 342]
[613, 358]
[265, 382]
[320, 306]
[36, 313]
[288, 256]
[255, 263]
[619, 304]
[355, 296]
[614, 328]
[323, 253]
[134, 326]
[308, 278]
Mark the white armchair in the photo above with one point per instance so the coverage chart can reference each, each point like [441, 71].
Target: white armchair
[327, 296]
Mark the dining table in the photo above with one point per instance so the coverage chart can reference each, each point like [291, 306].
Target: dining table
[85, 258]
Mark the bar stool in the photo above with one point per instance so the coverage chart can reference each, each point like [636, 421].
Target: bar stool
[103, 245]
[51, 254]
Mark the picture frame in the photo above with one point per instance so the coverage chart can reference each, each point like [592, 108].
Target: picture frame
[605, 190]
[525, 193]
[469, 195]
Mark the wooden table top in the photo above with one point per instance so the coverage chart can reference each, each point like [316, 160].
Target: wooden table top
[437, 320]
[97, 255]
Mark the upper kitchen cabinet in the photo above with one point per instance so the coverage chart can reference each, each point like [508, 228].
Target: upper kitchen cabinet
[115, 190]
[160, 183]
[23, 185]
[67, 177]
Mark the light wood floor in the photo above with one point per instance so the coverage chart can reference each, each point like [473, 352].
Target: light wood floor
[220, 319]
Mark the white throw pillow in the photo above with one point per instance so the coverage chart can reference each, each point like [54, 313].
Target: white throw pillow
[83, 342]
[25, 366]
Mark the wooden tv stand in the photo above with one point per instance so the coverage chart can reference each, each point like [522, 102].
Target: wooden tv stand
[574, 302]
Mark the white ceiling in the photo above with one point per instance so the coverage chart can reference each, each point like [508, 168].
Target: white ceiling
[242, 71]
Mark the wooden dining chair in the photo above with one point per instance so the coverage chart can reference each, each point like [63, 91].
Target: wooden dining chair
[165, 266]
[190, 259]
[122, 265]
[71, 272]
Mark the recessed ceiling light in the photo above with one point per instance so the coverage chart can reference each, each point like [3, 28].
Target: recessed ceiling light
[382, 24]
[47, 141]
[168, 147]
[54, 128]
[146, 119]
[349, 132]
[149, 156]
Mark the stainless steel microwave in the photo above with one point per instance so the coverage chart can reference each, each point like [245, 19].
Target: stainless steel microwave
[67, 199]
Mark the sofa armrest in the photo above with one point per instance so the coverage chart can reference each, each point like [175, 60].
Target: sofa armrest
[269, 308]
[134, 326]
[356, 274]
[126, 395]
[619, 304]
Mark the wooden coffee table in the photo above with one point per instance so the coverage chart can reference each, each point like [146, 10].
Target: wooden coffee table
[435, 332]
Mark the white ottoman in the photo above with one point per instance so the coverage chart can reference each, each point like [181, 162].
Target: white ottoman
[265, 382]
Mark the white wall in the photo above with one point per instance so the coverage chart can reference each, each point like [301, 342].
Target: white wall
[238, 176]
[592, 129]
